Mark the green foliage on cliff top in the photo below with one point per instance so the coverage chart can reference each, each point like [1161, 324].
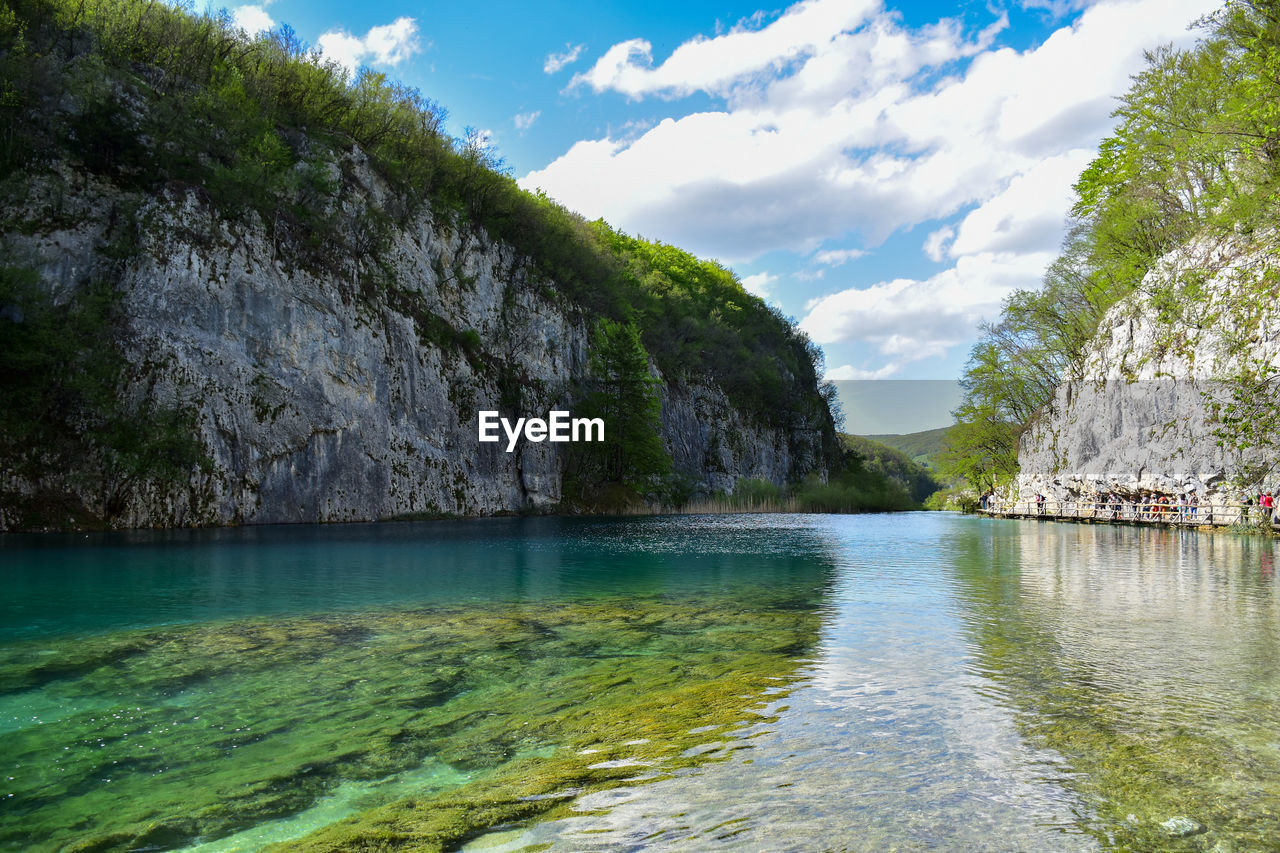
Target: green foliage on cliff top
[1196, 151]
[163, 102]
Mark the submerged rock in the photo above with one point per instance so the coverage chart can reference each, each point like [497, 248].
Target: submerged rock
[1181, 826]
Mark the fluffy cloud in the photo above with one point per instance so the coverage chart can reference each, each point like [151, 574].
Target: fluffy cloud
[935, 245]
[389, 44]
[1027, 215]
[836, 257]
[252, 19]
[759, 284]
[910, 319]
[713, 64]
[557, 61]
[836, 120]
[836, 123]
[848, 371]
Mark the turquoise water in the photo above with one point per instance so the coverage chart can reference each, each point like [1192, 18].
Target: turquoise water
[759, 682]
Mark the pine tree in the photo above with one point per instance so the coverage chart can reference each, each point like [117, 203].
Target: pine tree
[626, 396]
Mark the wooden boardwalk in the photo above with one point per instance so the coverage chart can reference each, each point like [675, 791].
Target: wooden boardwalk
[1168, 515]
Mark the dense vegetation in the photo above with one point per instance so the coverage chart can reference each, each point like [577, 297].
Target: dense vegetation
[855, 487]
[1196, 151]
[920, 447]
[159, 100]
[893, 464]
[163, 103]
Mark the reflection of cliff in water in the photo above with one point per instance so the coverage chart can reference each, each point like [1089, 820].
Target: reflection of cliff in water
[1148, 659]
[103, 582]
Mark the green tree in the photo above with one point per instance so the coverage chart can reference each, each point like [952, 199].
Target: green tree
[982, 448]
[1195, 151]
[626, 397]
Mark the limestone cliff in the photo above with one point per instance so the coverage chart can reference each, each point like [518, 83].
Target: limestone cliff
[337, 392]
[1171, 365]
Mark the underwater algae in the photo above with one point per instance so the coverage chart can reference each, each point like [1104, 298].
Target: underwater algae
[165, 737]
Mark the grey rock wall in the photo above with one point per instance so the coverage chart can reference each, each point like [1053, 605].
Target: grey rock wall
[321, 396]
[1140, 417]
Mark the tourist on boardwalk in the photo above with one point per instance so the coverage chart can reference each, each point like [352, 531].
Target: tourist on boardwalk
[1039, 504]
[1268, 506]
[1193, 505]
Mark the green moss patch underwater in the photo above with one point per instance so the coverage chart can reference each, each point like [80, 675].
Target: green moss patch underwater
[395, 729]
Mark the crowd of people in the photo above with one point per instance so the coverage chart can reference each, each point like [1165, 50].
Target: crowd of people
[1182, 508]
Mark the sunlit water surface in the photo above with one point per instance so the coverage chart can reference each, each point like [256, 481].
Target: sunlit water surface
[757, 682]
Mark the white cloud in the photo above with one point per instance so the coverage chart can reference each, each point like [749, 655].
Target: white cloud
[912, 319]
[557, 61]
[710, 64]
[848, 371]
[839, 120]
[760, 284]
[389, 44]
[252, 19]
[1028, 214]
[836, 121]
[935, 245]
[524, 121]
[836, 257]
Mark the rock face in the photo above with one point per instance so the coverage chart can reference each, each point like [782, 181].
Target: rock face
[1146, 413]
[333, 396]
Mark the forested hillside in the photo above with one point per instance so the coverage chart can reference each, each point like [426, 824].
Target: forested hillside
[130, 125]
[895, 464]
[1195, 152]
[920, 447]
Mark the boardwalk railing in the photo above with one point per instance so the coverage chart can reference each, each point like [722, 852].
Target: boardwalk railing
[1217, 515]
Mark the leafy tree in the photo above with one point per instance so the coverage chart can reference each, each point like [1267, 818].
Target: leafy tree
[626, 397]
[1196, 150]
[982, 448]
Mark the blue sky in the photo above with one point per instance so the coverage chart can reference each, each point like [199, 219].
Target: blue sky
[884, 172]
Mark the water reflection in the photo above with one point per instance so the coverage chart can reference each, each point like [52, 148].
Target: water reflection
[89, 584]
[892, 742]
[1147, 659]
[928, 681]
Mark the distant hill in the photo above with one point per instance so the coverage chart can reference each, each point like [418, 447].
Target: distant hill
[920, 447]
[893, 464]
